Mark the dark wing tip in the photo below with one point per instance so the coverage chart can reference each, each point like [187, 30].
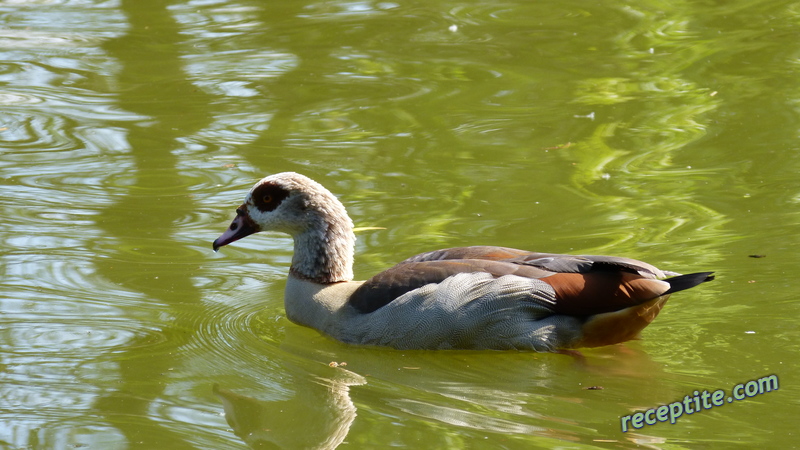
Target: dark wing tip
[683, 282]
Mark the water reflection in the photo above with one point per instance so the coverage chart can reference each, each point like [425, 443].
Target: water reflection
[129, 128]
[275, 423]
[140, 214]
[323, 404]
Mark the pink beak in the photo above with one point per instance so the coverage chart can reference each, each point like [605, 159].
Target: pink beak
[241, 226]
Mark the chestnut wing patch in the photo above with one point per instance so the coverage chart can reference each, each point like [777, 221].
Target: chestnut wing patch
[602, 291]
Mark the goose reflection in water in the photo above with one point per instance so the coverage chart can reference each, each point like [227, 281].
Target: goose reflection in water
[264, 423]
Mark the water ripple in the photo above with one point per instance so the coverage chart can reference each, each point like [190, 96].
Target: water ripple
[225, 331]
[76, 338]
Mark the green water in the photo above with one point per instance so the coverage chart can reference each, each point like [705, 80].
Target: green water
[130, 130]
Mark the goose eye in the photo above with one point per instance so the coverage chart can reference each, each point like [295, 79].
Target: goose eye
[267, 197]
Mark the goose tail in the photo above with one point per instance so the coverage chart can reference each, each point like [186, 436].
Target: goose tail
[683, 282]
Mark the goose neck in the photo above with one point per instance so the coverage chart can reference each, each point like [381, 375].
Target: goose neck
[324, 254]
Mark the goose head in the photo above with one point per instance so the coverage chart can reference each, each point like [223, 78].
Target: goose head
[299, 206]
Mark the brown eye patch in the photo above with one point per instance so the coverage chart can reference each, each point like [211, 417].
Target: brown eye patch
[268, 196]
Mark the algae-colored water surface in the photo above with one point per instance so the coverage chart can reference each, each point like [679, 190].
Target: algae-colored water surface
[131, 129]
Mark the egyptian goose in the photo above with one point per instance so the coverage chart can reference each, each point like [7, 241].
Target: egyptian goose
[467, 297]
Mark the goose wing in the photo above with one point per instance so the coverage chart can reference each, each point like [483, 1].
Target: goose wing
[582, 285]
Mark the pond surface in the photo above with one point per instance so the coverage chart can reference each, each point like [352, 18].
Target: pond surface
[130, 131]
